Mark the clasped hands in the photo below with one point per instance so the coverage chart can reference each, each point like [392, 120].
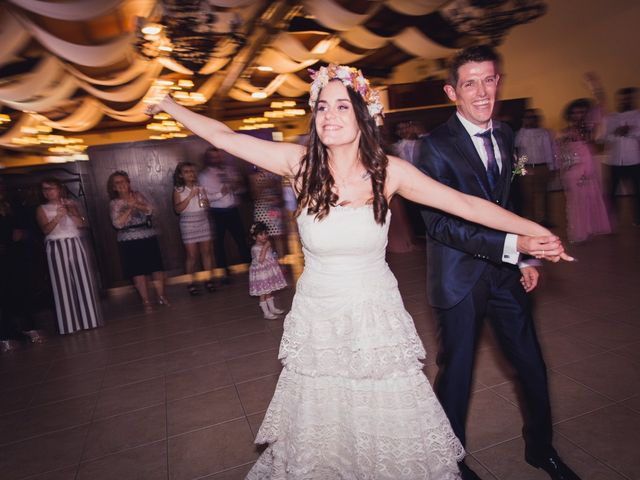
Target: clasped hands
[546, 247]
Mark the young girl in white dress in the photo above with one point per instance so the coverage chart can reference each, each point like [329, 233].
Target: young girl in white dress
[265, 274]
[352, 401]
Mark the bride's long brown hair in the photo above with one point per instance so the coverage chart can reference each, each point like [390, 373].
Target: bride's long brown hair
[314, 180]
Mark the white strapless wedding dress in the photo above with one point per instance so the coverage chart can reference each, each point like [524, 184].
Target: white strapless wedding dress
[352, 401]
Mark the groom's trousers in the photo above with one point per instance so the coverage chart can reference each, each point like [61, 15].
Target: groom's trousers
[500, 298]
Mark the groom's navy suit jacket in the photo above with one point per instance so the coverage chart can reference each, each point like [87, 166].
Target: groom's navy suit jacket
[458, 251]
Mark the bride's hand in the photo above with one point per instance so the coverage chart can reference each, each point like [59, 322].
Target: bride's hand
[157, 100]
[546, 247]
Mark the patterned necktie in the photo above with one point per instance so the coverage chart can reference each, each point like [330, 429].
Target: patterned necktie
[493, 172]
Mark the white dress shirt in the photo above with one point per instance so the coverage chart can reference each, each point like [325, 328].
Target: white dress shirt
[624, 151]
[213, 180]
[537, 145]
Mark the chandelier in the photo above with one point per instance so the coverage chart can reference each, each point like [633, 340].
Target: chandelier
[189, 32]
[491, 19]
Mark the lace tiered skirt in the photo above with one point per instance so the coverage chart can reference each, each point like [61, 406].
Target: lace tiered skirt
[352, 401]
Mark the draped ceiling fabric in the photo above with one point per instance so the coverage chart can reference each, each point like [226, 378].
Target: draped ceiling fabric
[68, 64]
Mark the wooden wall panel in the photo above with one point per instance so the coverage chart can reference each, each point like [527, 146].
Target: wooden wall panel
[150, 166]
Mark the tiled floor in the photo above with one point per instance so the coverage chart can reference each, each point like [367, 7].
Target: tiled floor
[180, 393]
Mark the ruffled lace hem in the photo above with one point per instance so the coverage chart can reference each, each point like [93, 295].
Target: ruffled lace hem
[326, 428]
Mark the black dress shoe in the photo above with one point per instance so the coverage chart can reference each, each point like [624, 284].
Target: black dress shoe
[467, 473]
[555, 467]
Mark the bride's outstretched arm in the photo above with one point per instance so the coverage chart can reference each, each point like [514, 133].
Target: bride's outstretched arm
[533, 239]
[277, 157]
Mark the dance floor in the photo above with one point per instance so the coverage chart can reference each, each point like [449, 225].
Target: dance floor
[180, 393]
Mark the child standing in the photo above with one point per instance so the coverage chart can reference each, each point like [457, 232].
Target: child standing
[265, 275]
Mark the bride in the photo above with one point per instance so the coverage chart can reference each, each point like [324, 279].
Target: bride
[352, 401]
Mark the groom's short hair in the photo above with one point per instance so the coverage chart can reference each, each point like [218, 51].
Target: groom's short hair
[477, 53]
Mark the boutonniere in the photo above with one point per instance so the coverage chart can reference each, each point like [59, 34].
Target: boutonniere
[519, 167]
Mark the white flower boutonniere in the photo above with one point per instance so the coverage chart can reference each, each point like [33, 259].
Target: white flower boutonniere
[519, 167]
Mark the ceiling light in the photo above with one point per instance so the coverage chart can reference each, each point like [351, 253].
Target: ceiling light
[152, 29]
[265, 68]
[260, 94]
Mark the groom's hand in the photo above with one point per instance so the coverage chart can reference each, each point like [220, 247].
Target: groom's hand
[529, 279]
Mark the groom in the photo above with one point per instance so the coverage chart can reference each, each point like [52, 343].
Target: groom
[472, 269]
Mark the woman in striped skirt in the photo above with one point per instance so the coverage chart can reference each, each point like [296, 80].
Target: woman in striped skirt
[191, 203]
[71, 277]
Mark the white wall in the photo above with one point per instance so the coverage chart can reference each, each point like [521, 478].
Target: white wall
[546, 59]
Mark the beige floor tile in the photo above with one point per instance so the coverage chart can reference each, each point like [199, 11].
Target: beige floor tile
[67, 387]
[190, 338]
[604, 333]
[42, 454]
[609, 434]
[134, 396]
[631, 351]
[192, 357]
[478, 468]
[64, 474]
[237, 473]
[22, 377]
[242, 327]
[491, 367]
[568, 397]
[484, 430]
[553, 316]
[633, 403]
[255, 421]
[148, 462]
[123, 432]
[136, 351]
[506, 462]
[211, 450]
[247, 344]
[203, 410]
[78, 364]
[598, 304]
[254, 366]
[197, 380]
[562, 349]
[608, 374]
[17, 399]
[255, 395]
[46, 419]
[132, 372]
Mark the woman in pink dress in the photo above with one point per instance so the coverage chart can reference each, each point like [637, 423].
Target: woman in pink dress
[586, 211]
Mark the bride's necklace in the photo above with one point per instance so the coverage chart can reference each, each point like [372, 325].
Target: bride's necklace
[345, 181]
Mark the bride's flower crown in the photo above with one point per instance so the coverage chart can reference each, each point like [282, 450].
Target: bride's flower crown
[350, 77]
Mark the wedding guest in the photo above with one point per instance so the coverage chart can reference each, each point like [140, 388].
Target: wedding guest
[586, 211]
[191, 203]
[538, 146]
[266, 188]
[221, 183]
[131, 215]
[623, 141]
[72, 280]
